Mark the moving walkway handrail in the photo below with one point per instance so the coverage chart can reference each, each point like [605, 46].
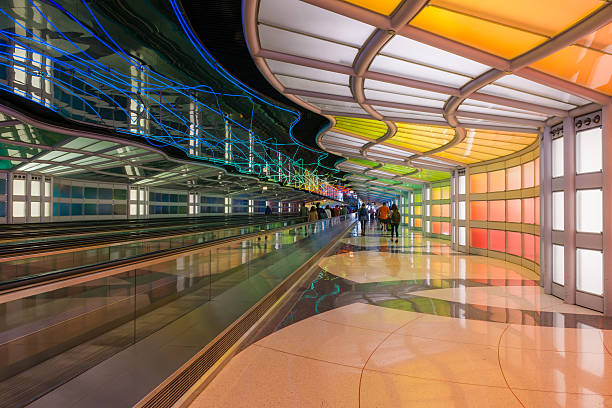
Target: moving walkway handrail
[36, 284]
[75, 230]
[18, 251]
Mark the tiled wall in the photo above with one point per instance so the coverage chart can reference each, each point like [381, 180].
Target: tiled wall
[502, 204]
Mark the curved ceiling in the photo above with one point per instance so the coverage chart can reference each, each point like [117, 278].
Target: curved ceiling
[433, 85]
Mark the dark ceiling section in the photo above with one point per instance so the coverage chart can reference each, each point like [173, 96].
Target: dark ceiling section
[218, 25]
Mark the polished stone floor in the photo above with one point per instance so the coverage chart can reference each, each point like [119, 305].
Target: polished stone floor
[414, 324]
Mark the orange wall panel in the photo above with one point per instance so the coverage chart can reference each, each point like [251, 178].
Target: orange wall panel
[497, 180]
[478, 183]
[445, 210]
[478, 210]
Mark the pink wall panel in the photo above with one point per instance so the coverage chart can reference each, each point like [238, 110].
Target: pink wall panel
[536, 177]
[537, 249]
[478, 238]
[513, 243]
[528, 211]
[497, 210]
[529, 246]
[513, 210]
[445, 210]
[478, 210]
[497, 240]
[528, 175]
[445, 228]
[513, 178]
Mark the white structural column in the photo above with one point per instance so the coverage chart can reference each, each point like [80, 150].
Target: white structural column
[569, 167]
[607, 207]
[468, 212]
[546, 211]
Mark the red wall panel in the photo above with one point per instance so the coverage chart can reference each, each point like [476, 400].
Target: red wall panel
[478, 238]
[497, 240]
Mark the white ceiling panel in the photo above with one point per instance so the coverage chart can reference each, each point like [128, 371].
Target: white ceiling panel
[404, 90]
[525, 85]
[410, 50]
[397, 67]
[399, 98]
[314, 86]
[275, 39]
[505, 92]
[300, 71]
[334, 106]
[500, 112]
[302, 17]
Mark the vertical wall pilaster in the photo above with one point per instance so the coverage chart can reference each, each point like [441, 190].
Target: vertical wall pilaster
[607, 207]
[545, 211]
[569, 170]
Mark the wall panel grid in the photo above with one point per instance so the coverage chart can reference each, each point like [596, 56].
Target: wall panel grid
[576, 185]
[439, 215]
[500, 214]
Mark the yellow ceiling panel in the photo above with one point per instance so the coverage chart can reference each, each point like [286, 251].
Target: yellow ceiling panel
[526, 15]
[385, 7]
[580, 65]
[455, 157]
[498, 39]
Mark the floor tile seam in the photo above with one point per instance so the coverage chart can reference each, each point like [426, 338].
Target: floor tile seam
[502, 346]
[374, 351]
[501, 387]
[603, 341]
[357, 367]
[350, 325]
[501, 369]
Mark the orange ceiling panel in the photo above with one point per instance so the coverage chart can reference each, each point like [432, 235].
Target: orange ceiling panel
[385, 7]
[526, 15]
[498, 39]
[580, 65]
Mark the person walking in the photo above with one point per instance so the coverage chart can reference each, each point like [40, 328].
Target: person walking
[313, 215]
[268, 211]
[304, 212]
[363, 217]
[328, 211]
[321, 212]
[383, 216]
[395, 220]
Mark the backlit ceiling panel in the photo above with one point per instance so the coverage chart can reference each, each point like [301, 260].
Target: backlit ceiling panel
[433, 85]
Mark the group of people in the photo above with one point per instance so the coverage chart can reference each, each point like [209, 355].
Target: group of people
[317, 212]
[388, 218]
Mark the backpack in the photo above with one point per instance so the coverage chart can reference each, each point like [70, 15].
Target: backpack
[396, 217]
[363, 212]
